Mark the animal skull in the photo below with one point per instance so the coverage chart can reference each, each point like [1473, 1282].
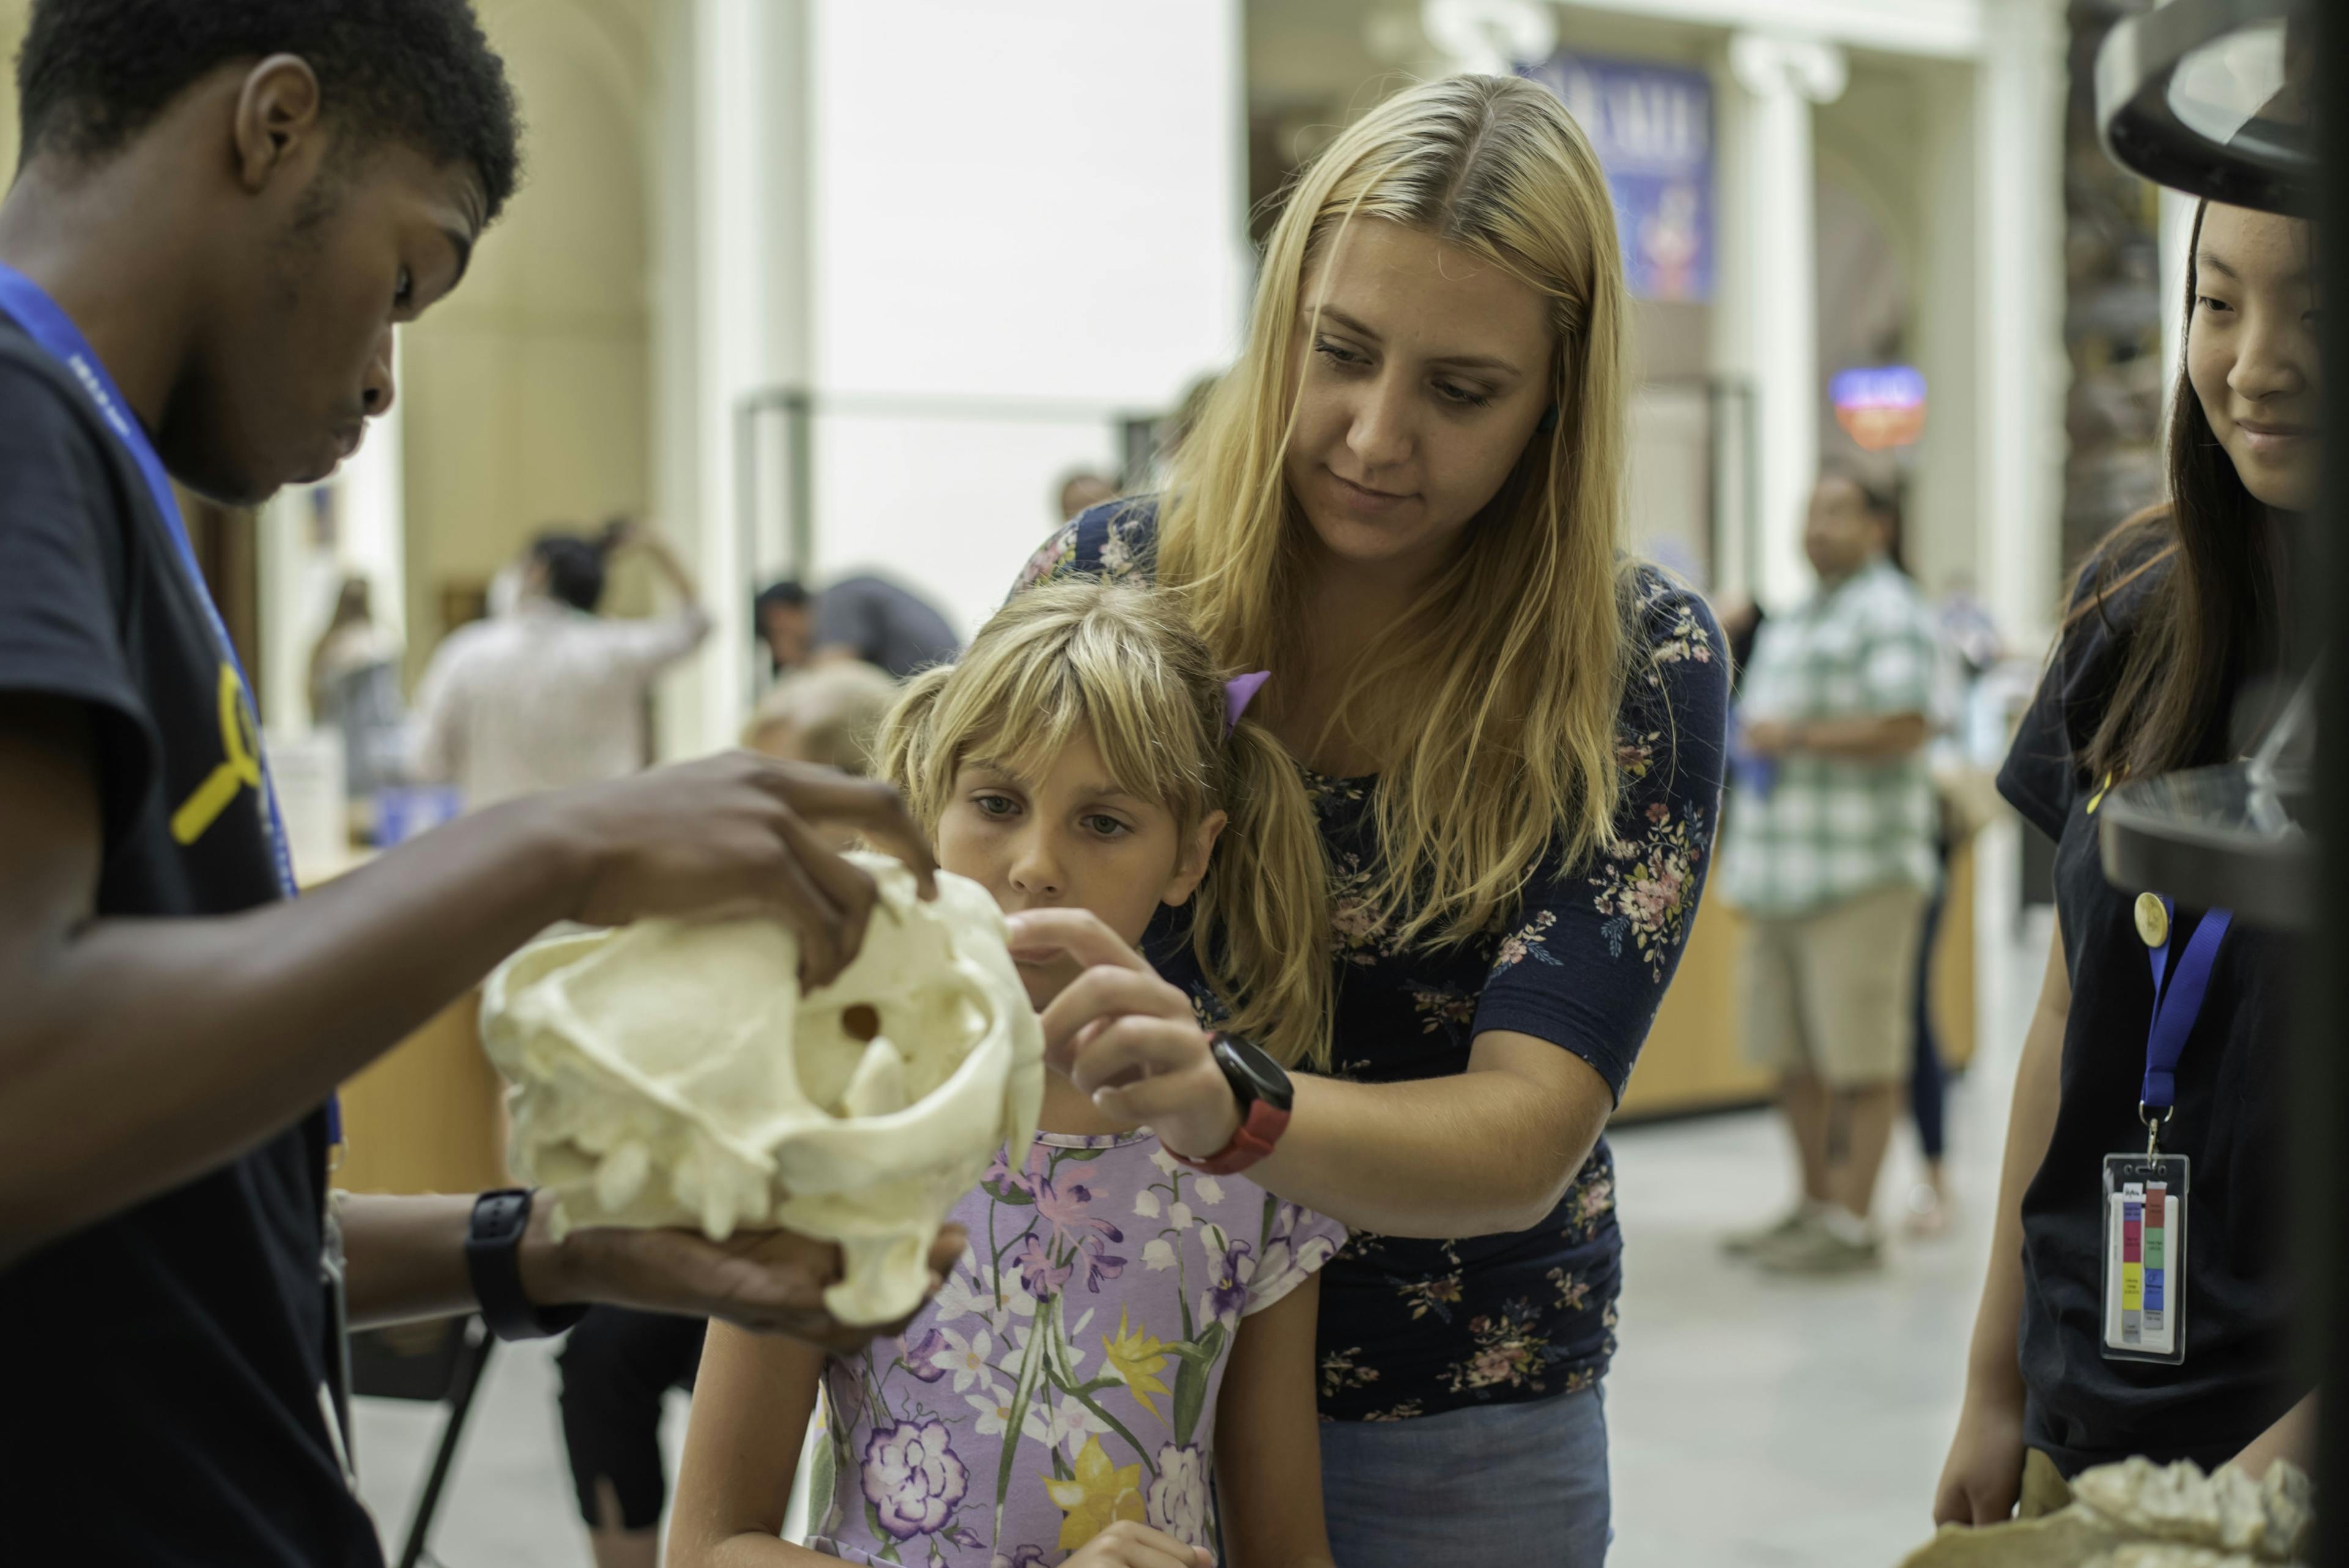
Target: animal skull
[668, 1074]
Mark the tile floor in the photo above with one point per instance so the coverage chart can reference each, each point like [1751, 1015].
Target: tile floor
[1756, 1423]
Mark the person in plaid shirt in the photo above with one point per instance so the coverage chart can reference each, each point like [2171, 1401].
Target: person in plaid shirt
[1827, 847]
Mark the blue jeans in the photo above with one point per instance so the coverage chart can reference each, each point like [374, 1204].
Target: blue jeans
[1522, 1484]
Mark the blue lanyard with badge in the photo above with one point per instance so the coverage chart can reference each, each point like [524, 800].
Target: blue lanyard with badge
[2144, 1194]
[243, 766]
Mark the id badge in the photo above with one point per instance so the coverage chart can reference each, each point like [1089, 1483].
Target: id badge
[2145, 1256]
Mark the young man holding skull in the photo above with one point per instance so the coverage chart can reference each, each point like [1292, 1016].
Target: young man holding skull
[223, 215]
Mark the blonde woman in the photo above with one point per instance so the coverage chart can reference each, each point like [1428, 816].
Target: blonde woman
[1404, 503]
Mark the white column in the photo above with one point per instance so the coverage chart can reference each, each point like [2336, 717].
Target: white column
[372, 516]
[1783, 78]
[731, 297]
[300, 576]
[1944, 513]
[2024, 372]
[2176, 231]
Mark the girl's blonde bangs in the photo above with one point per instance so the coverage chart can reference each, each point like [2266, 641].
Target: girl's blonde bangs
[1021, 702]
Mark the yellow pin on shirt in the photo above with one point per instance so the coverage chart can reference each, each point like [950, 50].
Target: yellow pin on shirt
[2152, 919]
[240, 765]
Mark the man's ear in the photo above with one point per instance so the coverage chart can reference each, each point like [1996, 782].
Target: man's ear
[278, 123]
[1191, 867]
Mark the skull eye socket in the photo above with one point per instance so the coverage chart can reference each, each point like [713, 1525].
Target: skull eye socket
[862, 1021]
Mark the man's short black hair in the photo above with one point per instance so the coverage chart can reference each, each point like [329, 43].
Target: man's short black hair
[787, 593]
[575, 568]
[93, 74]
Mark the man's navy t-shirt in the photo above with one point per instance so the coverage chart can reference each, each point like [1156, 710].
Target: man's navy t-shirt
[166, 1366]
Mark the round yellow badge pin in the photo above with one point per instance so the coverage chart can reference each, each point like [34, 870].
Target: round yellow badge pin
[2152, 919]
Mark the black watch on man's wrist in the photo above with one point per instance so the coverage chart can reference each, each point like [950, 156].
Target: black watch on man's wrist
[493, 1258]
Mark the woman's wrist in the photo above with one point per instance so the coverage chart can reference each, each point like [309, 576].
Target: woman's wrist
[1213, 1129]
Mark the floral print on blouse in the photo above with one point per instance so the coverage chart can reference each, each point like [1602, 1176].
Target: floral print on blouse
[1414, 1327]
[1067, 1376]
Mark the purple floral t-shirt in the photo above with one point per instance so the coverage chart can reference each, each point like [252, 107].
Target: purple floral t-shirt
[1093, 1317]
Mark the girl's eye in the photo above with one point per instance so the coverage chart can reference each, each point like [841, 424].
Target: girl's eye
[1338, 353]
[994, 804]
[1107, 827]
[1462, 397]
[2205, 302]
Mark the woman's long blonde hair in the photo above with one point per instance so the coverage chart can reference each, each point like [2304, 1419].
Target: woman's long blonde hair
[1501, 688]
[1124, 666]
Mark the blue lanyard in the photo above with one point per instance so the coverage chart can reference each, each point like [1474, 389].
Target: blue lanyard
[2178, 1001]
[54, 331]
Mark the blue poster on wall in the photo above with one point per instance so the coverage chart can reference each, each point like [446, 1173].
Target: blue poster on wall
[1652, 128]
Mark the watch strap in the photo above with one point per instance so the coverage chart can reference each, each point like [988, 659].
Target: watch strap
[493, 1262]
[1258, 1131]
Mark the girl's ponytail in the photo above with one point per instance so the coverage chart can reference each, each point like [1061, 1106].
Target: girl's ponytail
[1260, 923]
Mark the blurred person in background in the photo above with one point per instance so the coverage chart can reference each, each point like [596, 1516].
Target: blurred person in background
[1405, 503]
[1830, 850]
[355, 691]
[222, 217]
[618, 1366]
[553, 694]
[867, 618]
[827, 715]
[1969, 647]
[1174, 428]
[2179, 613]
[1080, 491]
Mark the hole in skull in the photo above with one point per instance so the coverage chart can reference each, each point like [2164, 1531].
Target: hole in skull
[862, 1021]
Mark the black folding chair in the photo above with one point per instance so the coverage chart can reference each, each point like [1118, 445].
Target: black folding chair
[436, 1362]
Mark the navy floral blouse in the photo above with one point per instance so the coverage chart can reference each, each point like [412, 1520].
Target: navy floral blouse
[1412, 1327]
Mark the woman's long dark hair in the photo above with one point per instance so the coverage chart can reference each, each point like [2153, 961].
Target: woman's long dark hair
[2203, 624]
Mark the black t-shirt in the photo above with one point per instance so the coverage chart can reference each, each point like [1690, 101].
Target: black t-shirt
[2230, 1119]
[166, 1366]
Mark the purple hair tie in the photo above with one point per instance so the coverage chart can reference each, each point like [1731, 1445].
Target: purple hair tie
[1237, 693]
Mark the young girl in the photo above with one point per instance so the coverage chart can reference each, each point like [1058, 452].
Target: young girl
[1128, 1343]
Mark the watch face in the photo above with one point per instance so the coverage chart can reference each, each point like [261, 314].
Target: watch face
[1254, 1075]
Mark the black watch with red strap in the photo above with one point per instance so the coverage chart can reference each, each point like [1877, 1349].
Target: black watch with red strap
[1261, 1086]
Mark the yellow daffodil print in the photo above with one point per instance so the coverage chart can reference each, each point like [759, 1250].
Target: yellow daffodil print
[1097, 1497]
[1138, 1356]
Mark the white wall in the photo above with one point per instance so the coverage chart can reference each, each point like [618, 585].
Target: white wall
[939, 218]
[1030, 199]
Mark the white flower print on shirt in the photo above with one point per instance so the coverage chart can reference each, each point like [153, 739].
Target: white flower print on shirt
[1070, 1422]
[1179, 1497]
[994, 1411]
[966, 1358]
[972, 1291]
